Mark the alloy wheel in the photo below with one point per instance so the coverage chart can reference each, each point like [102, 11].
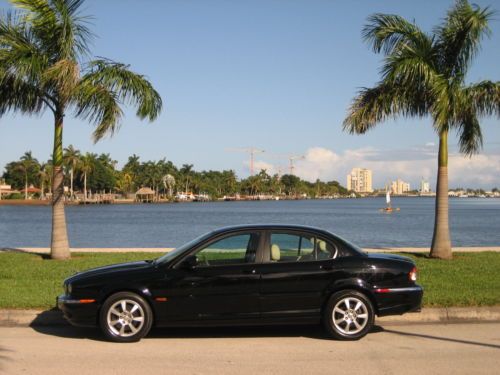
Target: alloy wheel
[125, 318]
[350, 315]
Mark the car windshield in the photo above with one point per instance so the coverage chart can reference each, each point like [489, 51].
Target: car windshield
[179, 250]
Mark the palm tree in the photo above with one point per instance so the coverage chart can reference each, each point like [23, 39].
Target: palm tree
[87, 164]
[44, 65]
[424, 75]
[27, 164]
[185, 172]
[71, 158]
[44, 175]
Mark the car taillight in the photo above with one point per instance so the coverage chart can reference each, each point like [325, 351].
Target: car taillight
[413, 274]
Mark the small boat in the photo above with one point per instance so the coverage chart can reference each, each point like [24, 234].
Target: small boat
[389, 208]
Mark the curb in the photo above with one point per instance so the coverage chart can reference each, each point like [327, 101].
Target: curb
[34, 318]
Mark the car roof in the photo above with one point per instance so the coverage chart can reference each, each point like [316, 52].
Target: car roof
[271, 226]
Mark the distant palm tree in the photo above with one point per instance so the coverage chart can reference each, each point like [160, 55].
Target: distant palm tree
[26, 165]
[43, 54]
[71, 158]
[44, 175]
[185, 172]
[87, 164]
[424, 75]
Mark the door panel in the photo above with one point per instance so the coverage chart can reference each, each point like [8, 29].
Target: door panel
[223, 286]
[292, 279]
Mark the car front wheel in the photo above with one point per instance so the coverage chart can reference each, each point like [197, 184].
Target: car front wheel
[348, 315]
[125, 317]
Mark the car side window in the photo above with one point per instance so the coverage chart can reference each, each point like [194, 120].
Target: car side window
[326, 250]
[238, 249]
[285, 247]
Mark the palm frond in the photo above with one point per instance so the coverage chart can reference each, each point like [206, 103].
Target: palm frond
[129, 87]
[374, 105]
[389, 32]
[18, 95]
[485, 97]
[460, 35]
[58, 26]
[99, 105]
[19, 52]
[471, 137]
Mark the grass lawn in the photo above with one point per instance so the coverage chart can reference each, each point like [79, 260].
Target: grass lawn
[29, 281]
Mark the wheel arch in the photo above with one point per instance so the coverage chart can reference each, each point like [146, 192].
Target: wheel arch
[142, 292]
[357, 285]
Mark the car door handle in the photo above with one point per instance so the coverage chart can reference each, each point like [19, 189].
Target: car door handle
[250, 271]
[326, 267]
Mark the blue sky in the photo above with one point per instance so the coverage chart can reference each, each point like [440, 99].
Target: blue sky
[276, 75]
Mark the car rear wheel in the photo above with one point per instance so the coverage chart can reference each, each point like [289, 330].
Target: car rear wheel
[348, 315]
[125, 317]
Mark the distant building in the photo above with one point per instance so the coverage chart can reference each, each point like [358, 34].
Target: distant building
[400, 187]
[5, 189]
[360, 180]
[425, 187]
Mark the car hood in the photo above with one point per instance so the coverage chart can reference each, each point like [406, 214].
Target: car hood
[100, 271]
[390, 256]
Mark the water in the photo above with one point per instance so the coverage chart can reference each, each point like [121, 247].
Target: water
[473, 221]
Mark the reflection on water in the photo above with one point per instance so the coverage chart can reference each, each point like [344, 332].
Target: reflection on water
[474, 221]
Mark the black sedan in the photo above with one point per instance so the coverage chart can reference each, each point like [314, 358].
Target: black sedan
[245, 275]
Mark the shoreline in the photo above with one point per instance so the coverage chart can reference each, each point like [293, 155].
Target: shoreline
[419, 250]
[37, 202]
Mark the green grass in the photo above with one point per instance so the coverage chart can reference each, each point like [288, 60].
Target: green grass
[30, 281]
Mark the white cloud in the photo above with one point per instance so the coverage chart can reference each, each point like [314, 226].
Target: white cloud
[410, 165]
[260, 164]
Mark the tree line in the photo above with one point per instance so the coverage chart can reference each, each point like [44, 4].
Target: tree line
[89, 172]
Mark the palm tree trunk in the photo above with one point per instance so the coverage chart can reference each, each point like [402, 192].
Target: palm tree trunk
[85, 187]
[59, 245]
[71, 184]
[26, 185]
[441, 243]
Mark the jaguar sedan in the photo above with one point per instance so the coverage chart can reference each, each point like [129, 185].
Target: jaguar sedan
[246, 275]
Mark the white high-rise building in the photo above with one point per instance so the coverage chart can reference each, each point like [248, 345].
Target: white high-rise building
[425, 187]
[400, 187]
[360, 180]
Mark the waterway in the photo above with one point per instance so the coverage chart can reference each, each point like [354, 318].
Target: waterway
[473, 221]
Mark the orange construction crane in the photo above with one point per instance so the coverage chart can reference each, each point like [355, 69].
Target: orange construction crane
[252, 151]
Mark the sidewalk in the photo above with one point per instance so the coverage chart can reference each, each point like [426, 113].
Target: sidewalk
[46, 250]
[20, 318]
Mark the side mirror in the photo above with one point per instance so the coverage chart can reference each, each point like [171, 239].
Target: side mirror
[190, 262]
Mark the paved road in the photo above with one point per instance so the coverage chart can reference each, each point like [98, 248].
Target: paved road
[409, 349]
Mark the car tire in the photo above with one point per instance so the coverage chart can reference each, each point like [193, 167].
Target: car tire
[125, 317]
[348, 315]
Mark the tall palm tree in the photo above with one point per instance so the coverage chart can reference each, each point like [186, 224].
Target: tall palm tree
[424, 75]
[44, 65]
[71, 158]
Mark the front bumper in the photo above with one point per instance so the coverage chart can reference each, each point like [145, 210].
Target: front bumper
[79, 312]
[397, 301]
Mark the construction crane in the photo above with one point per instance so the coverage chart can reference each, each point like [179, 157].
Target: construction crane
[252, 151]
[292, 159]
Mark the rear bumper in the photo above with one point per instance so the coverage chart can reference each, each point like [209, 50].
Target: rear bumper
[397, 301]
[80, 314]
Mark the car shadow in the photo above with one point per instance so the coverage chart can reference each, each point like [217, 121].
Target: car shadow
[440, 338]
[52, 323]
[79, 333]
